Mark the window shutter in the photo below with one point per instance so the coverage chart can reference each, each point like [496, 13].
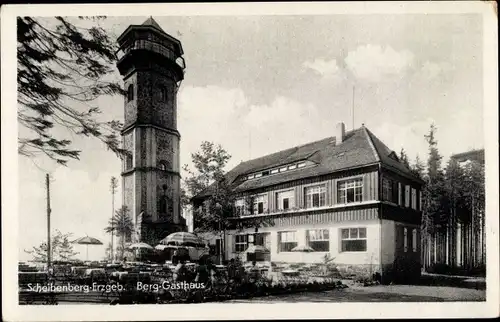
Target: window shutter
[407, 196]
[400, 194]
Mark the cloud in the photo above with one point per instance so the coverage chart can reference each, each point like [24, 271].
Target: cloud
[431, 71]
[408, 136]
[210, 113]
[325, 68]
[374, 63]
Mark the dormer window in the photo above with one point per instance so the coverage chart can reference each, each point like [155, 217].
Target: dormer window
[291, 167]
[274, 171]
[301, 165]
[130, 93]
[283, 169]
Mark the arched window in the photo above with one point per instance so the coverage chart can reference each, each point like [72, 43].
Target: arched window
[163, 93]
[130, 93]
[163, 165]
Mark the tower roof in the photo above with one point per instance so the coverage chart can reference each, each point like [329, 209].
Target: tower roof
[152, 23]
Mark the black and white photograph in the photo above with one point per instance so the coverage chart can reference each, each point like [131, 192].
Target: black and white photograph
[229, 156]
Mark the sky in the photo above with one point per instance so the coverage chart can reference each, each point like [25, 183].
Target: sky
[260, 84]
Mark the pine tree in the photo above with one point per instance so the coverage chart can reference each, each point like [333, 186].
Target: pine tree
[418, 168]
[122, 225]
[61, 71]
[435, 207]
[60, 247]
[435, 190]
[403, 158]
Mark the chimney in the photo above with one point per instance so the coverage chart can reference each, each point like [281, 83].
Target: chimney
[339, 133]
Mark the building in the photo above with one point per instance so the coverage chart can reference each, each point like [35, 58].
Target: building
[151, 64]
[347, 196]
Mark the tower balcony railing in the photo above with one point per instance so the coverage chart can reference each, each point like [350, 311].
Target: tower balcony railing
[154, 47]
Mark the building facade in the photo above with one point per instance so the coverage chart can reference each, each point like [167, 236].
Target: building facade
[151, 64]
[346, 196]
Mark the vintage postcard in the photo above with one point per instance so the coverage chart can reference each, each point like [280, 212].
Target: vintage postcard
[336, 160]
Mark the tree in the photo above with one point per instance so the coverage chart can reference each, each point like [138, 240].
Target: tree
[436, 201]
[113, 186]
[418, 168]
[61, 248]
[403, 157]
[215, 211]
[122, 225]
[62, 70]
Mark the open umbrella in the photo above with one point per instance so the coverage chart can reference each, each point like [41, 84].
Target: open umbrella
[257, 249]
[303, 249]
[254, 250]
[183, 239]
[135, 246]
[139, 246]
[87, 241]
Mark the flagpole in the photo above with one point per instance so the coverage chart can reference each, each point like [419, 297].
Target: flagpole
[353, 90]
[47, 183]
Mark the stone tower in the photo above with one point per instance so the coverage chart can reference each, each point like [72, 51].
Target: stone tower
[151, 64]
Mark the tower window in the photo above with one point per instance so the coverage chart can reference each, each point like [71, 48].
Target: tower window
[163, 165]
[130, 93]
[163, 93]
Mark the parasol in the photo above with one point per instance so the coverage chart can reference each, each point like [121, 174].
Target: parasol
[257, 249]
[183, 239]
[140, 246]
[302, 249]
[87, 241]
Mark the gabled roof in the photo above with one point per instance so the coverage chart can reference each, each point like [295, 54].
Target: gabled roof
[359, 148]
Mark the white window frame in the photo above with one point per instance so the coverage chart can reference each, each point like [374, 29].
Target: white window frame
[258, 199]
[318, 236]
[240, 204]
[353, 183]
[292, 166]
[287, 236]
[319, 189]
[236, 242]
[420, 200]
[283, 169]
[342, 238]
[287, 194]
[301, 165]
[274, 171]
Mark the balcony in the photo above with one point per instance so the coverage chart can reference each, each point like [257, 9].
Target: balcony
[154, 47]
